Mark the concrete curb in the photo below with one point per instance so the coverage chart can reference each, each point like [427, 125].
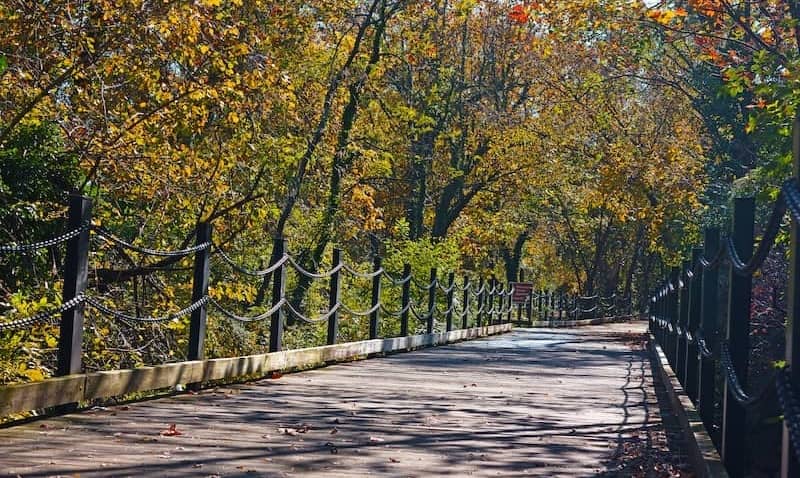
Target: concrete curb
[703, 455]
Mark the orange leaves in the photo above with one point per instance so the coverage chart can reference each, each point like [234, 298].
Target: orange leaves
[709, 51]
[521, 13]
[716, 57]
[665, 17]
[518, 14]
[708, 8]
[760, 103]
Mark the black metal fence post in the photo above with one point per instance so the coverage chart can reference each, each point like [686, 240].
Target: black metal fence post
[492, 308]
[510, 314]
[76, 271]
[539, 308]
[488, 301]
[529, 307]
[556, 312]
[334, 297]
[789, 465]
[465, 305]
[666, 310]
[667, 316]
[651, 315]
[553, 304]
[481, 302]
[197, 324]
[683, 312]
[519, 306]
[406, 299]
[451, 286]
[672, 313]
[692, 321]
[572, 305]
[548, 311]
[655, 316]
[502, 297]
[431, 300]
[278, 296]
[659, 316]
[709, 328]
[374, 316]
[734, 428]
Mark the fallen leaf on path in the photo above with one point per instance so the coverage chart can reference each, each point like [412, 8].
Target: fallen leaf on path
[172, 431]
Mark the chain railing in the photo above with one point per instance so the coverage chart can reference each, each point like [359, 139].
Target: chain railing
[555, 307]
[47, 243]
[685, 321]
[476, 306]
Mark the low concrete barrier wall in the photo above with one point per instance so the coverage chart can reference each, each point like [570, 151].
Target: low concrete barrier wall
[702, 453]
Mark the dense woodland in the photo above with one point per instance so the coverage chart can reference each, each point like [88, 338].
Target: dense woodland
[585, 142]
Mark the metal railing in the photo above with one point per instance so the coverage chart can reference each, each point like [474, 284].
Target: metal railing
[481, 302]
[547, 306]
[684, 319]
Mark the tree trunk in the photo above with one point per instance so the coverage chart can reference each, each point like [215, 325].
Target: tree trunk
[342, 160]
[637, 252]
[513, 257]
[422, 158]
[295, 184]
